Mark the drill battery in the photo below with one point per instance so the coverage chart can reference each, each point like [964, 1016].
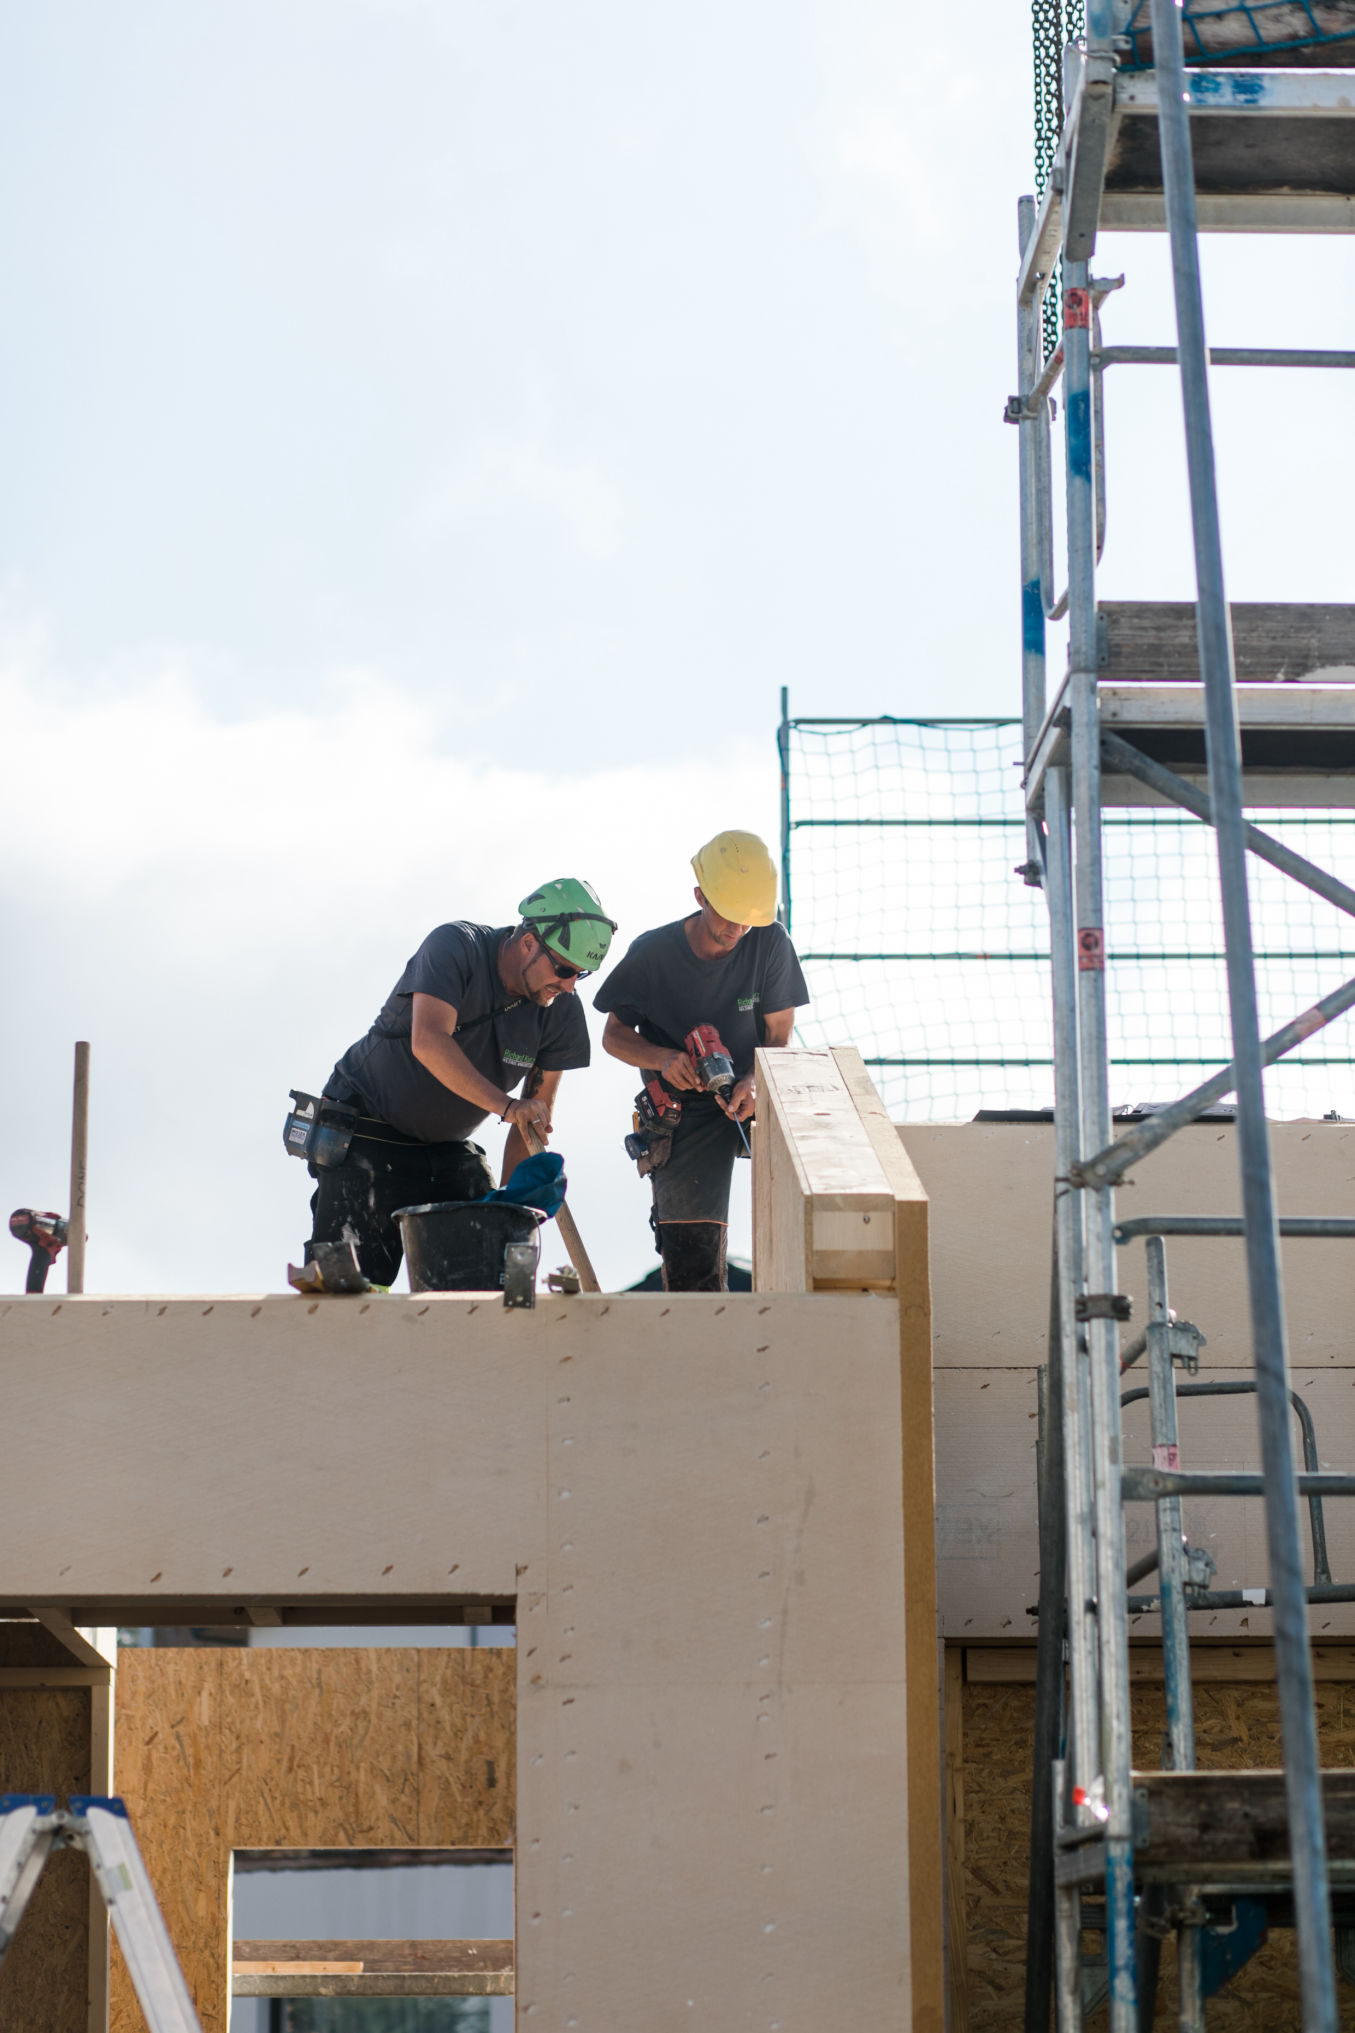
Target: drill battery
[318, 1130]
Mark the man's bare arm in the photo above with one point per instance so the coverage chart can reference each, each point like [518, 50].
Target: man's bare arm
[539, 1086]
[777, 1028]
[433, 1043]
[631, 1049]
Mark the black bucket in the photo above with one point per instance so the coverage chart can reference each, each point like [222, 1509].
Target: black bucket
[458, 1245]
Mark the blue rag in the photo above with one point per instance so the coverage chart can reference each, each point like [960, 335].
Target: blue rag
[537, 1182]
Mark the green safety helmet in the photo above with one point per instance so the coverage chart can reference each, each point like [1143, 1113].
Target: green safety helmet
[567, 916]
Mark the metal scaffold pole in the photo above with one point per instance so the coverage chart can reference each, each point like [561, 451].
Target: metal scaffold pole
[1224, 751]
[1165, 1865]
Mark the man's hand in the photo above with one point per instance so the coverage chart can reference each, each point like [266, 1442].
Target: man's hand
[529, 1111]
[678, 1070]
[741, 1104]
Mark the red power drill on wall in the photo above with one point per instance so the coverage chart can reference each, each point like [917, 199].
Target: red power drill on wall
[46, 1236]
[715, 1068]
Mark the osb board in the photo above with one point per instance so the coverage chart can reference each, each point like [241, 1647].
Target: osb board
[44, 1748]
[552, 1456]
[987, 1547]
[991, 1190]
[466, 1773]
[1236, 1727]
[295, 1748]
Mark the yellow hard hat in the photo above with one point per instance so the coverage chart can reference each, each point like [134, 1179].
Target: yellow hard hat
[738, 878]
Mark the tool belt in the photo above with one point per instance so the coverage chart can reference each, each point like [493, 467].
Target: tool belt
[319, 1130]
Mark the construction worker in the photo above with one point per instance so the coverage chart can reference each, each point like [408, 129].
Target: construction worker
[731, 965]
[477, 1010]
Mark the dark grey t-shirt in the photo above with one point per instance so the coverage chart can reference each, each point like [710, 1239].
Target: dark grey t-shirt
[458, 964]
[662, 990]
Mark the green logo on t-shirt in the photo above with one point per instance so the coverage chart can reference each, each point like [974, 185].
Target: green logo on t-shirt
[747, 1002]
[518, 1059]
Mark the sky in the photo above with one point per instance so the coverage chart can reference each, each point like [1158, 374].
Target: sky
[430, 438]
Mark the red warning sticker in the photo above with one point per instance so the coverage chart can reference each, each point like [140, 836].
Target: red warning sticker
[1091, 950]
[1077, 310]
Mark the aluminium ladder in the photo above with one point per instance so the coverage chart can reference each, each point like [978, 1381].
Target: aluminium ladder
[31, 1826]
[1270, 149]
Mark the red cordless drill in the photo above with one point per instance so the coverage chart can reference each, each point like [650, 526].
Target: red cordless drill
[657, 1115]
[45, 1235]
[715, 1068]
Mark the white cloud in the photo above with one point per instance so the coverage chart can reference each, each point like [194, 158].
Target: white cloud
[221, 907]
[510, 474]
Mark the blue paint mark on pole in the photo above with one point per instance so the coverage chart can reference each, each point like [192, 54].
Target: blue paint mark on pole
[1080, 434]
[1032, 619]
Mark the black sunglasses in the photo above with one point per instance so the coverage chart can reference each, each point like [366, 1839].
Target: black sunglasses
[563, 970]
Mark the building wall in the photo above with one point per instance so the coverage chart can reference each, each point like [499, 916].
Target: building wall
[990, 1187]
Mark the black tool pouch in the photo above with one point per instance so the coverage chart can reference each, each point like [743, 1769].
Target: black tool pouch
[318, 1130]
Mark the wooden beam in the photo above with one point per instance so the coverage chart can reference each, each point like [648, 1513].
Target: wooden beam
[372, 1969]
[89, 1646]
[957, 1943]
[838, 1205]
[55, 1676]
[101, 1717]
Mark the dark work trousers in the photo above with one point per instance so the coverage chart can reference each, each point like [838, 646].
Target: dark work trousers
[356, 1201]
[691, 1198]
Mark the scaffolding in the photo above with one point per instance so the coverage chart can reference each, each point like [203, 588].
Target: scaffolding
[1165, 705]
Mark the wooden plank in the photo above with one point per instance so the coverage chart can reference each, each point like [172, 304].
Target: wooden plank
[1210, 1665]
[355, 1969]
[447, 1957]
[1315, 707]
[1154, 642]
[1234, 1818]
[957, 1957]
[55, 1676]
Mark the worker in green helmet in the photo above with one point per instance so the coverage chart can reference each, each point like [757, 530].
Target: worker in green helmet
[479, 1011]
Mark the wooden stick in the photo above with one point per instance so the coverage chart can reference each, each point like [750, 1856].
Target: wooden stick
[578, 1255]
[75, 1240]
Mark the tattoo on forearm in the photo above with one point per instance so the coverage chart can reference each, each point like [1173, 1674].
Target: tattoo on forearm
[535, 1081]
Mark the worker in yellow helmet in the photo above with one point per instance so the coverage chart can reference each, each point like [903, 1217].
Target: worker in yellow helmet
[729, 967]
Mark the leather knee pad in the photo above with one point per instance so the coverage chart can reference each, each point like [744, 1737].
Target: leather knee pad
[693, 1255]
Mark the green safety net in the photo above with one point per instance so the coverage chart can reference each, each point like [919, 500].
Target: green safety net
[924, 949]
[1231, 33]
